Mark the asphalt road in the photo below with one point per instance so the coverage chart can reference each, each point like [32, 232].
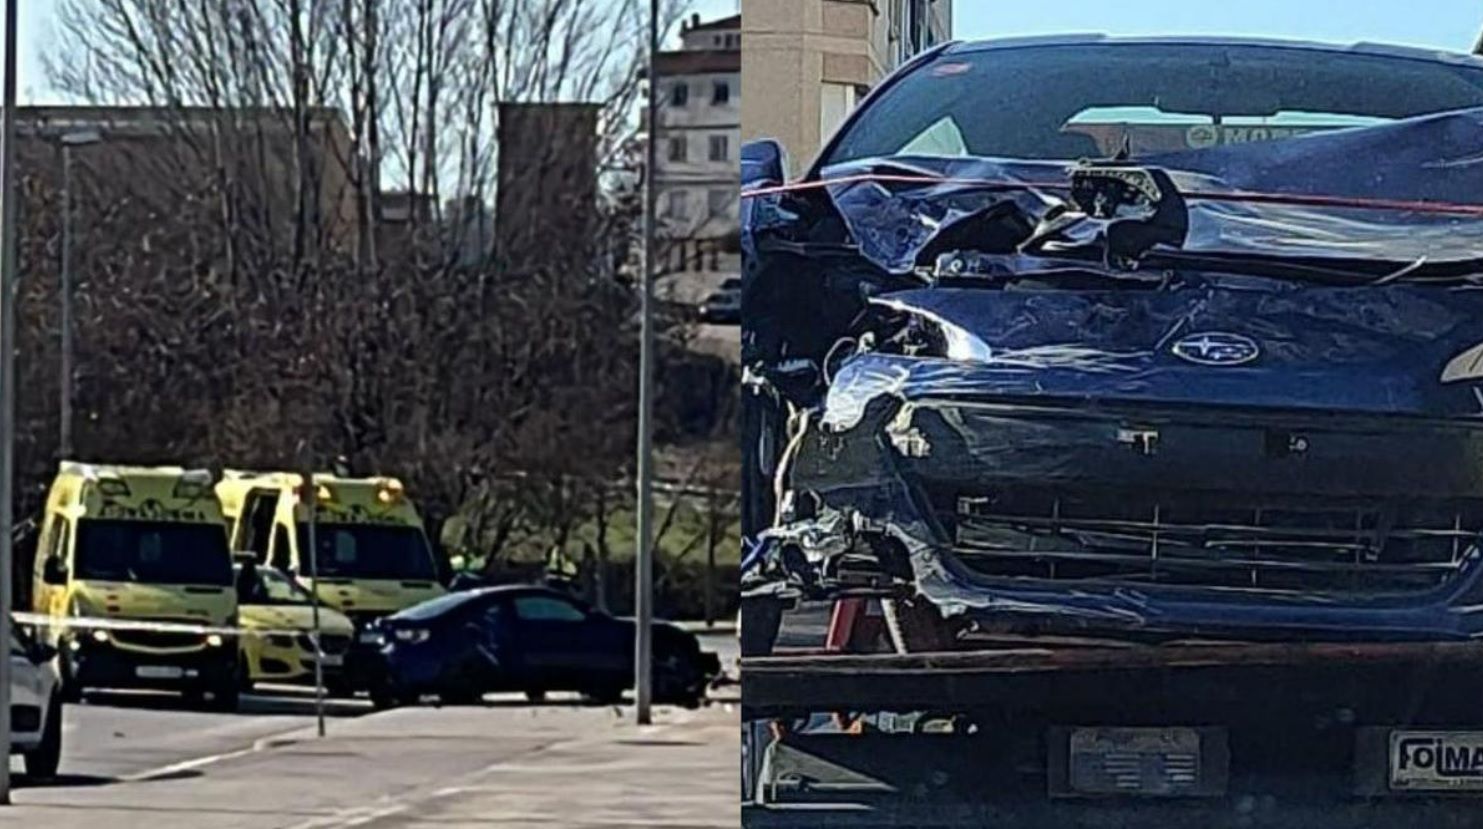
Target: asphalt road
[121, 737]
[130, 736]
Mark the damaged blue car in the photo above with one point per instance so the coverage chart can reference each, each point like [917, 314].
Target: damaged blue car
[1154, 339]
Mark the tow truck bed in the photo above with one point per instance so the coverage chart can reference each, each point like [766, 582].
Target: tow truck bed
[1288, 734]
[812, 680]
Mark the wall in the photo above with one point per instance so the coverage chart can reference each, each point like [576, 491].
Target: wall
[805, 63]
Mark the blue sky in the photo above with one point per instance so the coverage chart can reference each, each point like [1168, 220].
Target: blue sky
[36, 37]
[1441, 24]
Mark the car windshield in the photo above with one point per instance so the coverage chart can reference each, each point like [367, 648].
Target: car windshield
[1071, 101]
[433, 608]
[370, 551]
[153, 552]
[274, 588]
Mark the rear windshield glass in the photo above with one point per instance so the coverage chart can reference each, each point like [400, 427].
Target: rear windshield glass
[153, 552]
[1086, 101]
[370, 551]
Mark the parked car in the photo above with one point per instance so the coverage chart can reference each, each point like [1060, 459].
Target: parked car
[36, 704]
[529, 639]
[723, 307]
[277, 617]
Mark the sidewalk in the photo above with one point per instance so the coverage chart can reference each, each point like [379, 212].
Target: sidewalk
[508, 766]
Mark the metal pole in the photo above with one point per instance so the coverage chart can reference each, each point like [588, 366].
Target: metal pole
[313, 507]
[8, 279]
[64, 441]
[643, 588]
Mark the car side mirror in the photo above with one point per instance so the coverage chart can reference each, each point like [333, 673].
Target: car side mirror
[763, 164]
[54, 572]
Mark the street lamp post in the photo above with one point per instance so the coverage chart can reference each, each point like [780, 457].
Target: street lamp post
[70, 141]
[7, 379]
[644, 571]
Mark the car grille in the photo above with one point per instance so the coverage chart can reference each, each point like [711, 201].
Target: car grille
[1215, 540]
[333, 644]
[157, 639]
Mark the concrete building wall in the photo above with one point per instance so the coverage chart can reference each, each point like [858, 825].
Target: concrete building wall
[807, 63]
[546, 194]
[154, 159]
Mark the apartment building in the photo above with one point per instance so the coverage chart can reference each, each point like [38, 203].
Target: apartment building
[699, 134]
[806, 63]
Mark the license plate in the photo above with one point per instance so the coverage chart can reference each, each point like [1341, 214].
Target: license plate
[370, 638]
[1436, 760]
[1138, 761]
[159, 672]
[330, 660]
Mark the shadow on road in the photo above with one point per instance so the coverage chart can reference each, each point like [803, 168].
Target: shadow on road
[22, 781]
[288, 704]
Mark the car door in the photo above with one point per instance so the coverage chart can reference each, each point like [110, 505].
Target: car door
[26, 691]
[487, 655]
[558, 644]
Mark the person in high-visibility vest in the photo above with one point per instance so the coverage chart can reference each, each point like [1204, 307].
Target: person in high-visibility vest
[561, 571]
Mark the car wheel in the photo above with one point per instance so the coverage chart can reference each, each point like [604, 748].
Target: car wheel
[42, 761]
[677, 681]
[339, 689]
[226, 698]
[385, 697]
[244, 676]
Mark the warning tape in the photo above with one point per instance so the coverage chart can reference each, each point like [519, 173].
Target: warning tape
[1290, 199]
[102, 623]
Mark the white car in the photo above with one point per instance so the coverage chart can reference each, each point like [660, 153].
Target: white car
[35, 705]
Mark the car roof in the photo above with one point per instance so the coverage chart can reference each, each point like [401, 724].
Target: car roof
[457, 599]
[1361, 48]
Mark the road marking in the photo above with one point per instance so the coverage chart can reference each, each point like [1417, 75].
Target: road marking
[258, 744]
[188, 765]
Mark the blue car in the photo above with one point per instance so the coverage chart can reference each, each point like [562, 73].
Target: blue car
[528, 639]
[1151, 339]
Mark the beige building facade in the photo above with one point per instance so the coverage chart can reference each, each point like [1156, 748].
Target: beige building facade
[699, 89]
[807, 63]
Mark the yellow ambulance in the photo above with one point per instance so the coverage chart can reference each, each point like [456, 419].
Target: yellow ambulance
[373, 557]
[132, 565]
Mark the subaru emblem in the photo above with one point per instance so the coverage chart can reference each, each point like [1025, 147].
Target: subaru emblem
[1216, 348]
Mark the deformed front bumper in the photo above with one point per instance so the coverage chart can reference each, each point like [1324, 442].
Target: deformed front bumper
[105, 664]
[1167, 521]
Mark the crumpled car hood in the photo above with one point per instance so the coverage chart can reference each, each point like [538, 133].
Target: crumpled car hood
[1290, 198]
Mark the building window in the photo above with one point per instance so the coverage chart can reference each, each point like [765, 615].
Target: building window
[721, 93]
[679, 95]
[678, 206]
[721, 200]
[677, 149]
[835, 102]
[720, 148]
